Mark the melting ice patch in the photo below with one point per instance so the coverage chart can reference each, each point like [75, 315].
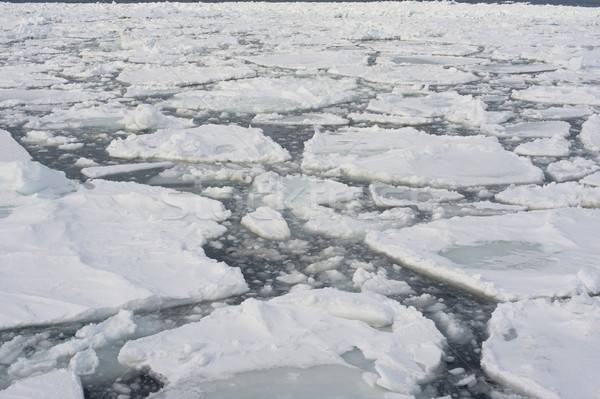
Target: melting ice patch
[507, 257]
[408, 156]
[303, 329]
[545, 348]
[207, 143]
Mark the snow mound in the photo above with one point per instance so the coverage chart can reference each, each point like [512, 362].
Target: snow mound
[207, 143]
[507, 257]
[304, 329]
[407, 156]
[267, 223]
[545, 348]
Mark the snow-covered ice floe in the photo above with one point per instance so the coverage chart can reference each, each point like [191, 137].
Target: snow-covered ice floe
[108, 170]
[552, 195]
[578, 95]
[545, 348]
[590, 133]
[507, 257]
[64, 384]
[59, 231]
[408, 156]
[303, 329]
[267, 223]
[206, 143]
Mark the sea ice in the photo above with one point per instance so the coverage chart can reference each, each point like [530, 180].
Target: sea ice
[385, 195]
[324, 119]
[405, 74]
[302, 329]
[182, 75]
[379, 283]
[193, 173]
[507, 257]
[62, 384]
[314, 60]
[206, 143]
[545, 129]
[575, 95]
[545, 348]
[592, 180]
[407, 156]
[95, 172]
[267, 223]
[552, 147]
[564, 112]
[590, 133]
[571, 169]
[553, 195]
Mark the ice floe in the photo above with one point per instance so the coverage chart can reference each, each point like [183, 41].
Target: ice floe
[267, 223]
[546, 129]
[95, 172]
[405, 74]
[507, 257]
[552, 147]
[379, 283]
[590, 133]
[385, 195]
[578, 95]
[571, 169]
[182, 75]
[62, 384]
[311, 60]
[553, 195]
[303, 329]
[324, 119]
[408, 156]
[545, 348]
[592, 180]
[206, 143]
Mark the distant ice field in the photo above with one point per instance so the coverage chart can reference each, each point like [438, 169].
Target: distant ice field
[359, 200]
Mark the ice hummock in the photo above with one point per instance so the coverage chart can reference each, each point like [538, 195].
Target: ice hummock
[303, 329]
[545, 348]
[507, 257]
[407, 156]
[206, 143]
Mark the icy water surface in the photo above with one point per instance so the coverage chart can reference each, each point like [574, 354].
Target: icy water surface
[396, 143]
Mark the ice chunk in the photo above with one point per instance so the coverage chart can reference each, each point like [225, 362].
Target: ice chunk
[546, 129]
[315, 60]
[592, 180]
[385, 195]
[47, 138]
[576, 95]
[379, 283]
[267, 223]
[207, 143]
[571, 169]
[515, 68]
[218, 192]
[324, 119]
[507, 257]
[28, 76]
[407, 156]
[545, 348]
[11, 150]
[384, 119]
[590, 133]
[62, 384]
[181, 75]
[303, 329]
[100, 171]
[12, 97]
[402, 74]
[552, 147]
[564, 112]
[183, 173]
[267, 95]
[553, 195]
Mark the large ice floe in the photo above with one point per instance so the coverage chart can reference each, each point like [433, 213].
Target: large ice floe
[507, 257]
[545, 348]
[412, 157]
[301, 330]
[140, 245]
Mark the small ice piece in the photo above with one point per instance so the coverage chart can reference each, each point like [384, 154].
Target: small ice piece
[385, 195]
[379, 283]
[314, 60]
[471, 378]
[507, 257]
[62, 384]
[592, 180]
[571, 169]
[564, 112]
[553, 195]
[384, 119]
[552, 147]
[311, 119]
[324, 265]
[515, 68]
[85, 362]
[181, 75]
[407, 156]
[545, 348]
[12, 97]
[301, 329]
[480, 208]
[218, 192]
[206, 143]
[46, 138]
[292, 278]
[590, 133]
[267, 223]
[84, 162]
[95, 172]
[575, 95]
[268, 95]
[545, 129]
[191, 173]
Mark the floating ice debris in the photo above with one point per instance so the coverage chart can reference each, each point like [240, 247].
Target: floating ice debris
[28, 76]
[268, 95]
[182, 75]
[324, 119]
[407, 156]
[46, 138]
[571, 169]
[101, 171]
[405, 74]
[576, 95]
[303, 329]
[551, 147]
[481, 208]
[592, 180]
[218, 192]
[553, 195]
[507, 68]
[379, 283]
[183, 173]
[385, 195]
[564, 112]
[324, 59]
[590, 133]
[546, 129]
[12, 97]
[545, 348]
[206, 143]
[504, 257]
[267, 223]
[384, 119]
[62, 384]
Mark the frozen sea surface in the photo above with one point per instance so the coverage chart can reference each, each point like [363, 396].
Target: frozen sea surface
[299, 200]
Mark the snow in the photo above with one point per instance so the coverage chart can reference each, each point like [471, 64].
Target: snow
[408, 156]
[590, 133]
[206, 143]
[507, 257]
[55, 384]
[552, 195]
[100, 171]
[267, 223]
[545, 348]
[303, 329]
